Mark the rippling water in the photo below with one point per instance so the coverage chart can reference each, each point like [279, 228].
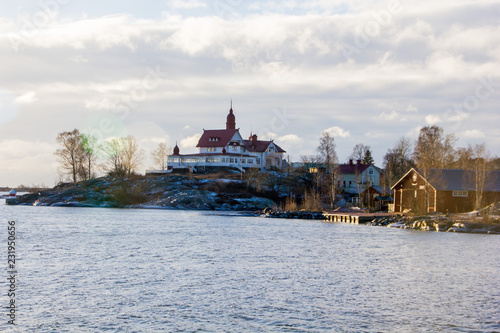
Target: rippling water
[88, 270]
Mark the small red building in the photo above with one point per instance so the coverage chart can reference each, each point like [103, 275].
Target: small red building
[444, 190]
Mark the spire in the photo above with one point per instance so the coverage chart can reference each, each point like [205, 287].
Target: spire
[231, 120]
[176, 149]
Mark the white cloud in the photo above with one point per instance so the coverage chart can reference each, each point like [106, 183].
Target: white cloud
[18, 148]
[455, 116]
[101, 104]
[473, 134]
[186, 4]
[389, 115]
[432, 119]
[289, 139]
[374, 134]
[190, 142]
[411, 108]
[27, 98]
[337, 132]
[427, 59]
[79, 59]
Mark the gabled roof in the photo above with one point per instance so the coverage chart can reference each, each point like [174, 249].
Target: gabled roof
[216, 138]
[457, 179]
[260, 146]
[353, 168]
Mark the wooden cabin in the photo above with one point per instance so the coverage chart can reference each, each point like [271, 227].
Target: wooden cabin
[444, 190]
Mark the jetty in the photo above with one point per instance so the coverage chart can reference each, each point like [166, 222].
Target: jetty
[355, 217]
[350, 216]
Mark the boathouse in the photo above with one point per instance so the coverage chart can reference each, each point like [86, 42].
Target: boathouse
[445, 190]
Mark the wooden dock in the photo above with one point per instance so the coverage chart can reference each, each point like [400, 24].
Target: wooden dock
[354, 217]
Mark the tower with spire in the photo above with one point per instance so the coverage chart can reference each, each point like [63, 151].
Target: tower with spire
[226, 149]
[231, 119]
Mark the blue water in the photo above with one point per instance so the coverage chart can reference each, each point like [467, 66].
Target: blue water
[126, 270]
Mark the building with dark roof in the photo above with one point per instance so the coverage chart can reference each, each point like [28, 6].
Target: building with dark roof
[226, 148]
[445, 190]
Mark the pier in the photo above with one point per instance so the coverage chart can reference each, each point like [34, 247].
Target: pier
[354, 217]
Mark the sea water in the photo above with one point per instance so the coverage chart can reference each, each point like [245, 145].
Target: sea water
[132, 270]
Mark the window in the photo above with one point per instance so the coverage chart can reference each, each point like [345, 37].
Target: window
[250, 161]
[350, 183]
[243, 160]
[212, 149]
[257, 160]
[370, 171]
[234, 147]
[231, 160]
[463, 194]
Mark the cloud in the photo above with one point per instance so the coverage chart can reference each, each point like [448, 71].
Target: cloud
[411, 108]
[101, 104]
[375, 134]
[425, 60]
[337, 132]
[27, 98]
[389, 115]
[432, 119]
[473, 134]
[190, 142]
[289, 139]
[16, 148]
[186, 4]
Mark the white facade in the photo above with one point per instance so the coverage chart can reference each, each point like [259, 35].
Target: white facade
[226, 148]
[356, 182]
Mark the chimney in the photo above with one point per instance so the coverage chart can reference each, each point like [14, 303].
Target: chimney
[350, 162]
[254, 140]
[358, 162]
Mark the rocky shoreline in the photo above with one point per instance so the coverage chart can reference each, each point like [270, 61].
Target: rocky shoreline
[474, 222]
[188, 193]
[437, 223]
[161, 192]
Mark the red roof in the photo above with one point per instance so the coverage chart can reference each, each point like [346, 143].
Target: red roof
[221, 137]
[353, 168]
[216, 138]
[260, 146]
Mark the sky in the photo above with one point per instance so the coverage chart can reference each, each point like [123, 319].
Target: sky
[367, 72]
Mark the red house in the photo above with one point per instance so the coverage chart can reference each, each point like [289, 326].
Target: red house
[445, 190]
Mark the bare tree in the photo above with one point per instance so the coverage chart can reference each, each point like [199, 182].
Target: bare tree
[463, 158]
[70, 155]
[362, 153]
[480, 165]
[160, 156]
[398, 161]
[113, 164]
[133, 155]
[89, 156]
[433, 150]
[328, 157]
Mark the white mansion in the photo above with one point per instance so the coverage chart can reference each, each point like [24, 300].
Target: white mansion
[226, 148]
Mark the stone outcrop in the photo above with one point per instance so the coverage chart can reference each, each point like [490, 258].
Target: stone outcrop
[437, 223]
[168, 192]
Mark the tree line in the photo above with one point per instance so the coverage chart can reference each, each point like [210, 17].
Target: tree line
[81, 157]
[433, 149]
